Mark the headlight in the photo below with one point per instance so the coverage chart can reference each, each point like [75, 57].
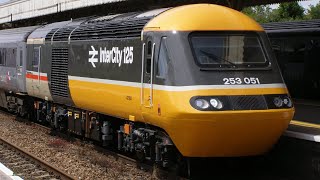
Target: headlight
[216, 103]
[277, 101]
[287, 101]
[202, 104]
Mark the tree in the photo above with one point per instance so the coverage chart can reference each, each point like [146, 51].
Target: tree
[289, 11]
[261, 14]
[314, 12]
[285, 12]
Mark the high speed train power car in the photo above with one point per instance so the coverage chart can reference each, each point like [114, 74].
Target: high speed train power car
[196, 81]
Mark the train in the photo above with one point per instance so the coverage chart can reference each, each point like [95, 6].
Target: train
[194, 81]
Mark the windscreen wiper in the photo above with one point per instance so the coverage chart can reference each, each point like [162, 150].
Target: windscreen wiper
[215, 58]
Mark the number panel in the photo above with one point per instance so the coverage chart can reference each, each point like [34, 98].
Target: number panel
[237, 80]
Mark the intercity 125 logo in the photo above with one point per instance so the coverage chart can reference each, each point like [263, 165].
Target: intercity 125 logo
[115, 55]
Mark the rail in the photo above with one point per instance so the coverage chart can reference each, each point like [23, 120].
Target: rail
[49, 168]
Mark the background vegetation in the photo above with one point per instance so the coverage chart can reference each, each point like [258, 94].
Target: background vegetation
[285, 12]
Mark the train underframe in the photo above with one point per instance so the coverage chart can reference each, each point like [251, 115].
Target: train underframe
[146, 142]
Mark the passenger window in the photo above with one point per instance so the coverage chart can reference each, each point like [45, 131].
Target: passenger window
[11, 56]
[2, 56]
[148, 60]
[36, 59]
[162, 65]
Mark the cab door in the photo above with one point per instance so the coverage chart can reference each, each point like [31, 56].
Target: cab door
[147, 73]
[35, 72]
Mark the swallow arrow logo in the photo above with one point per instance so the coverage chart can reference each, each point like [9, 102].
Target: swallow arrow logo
[93, 54]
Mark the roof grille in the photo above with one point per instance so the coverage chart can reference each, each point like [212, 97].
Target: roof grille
[124, 28]
[60, 34]
[59, 72]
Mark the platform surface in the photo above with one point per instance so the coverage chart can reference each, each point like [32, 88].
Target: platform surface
[303, 130]
[3, 176]
[7, 174]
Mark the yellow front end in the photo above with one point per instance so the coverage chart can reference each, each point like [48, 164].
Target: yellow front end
[225, 134]
[219, 133]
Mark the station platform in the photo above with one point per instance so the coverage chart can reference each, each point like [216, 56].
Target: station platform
[306, 122]
[297, 153]
[303, 130]
[7, 174]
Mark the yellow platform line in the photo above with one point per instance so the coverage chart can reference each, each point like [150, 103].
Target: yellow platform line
[304, 124]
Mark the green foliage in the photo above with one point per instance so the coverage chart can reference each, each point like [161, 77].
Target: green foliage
[291, 11]
[262, 14]
[314, 12]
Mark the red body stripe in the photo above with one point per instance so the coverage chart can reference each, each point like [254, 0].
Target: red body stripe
[36, 77]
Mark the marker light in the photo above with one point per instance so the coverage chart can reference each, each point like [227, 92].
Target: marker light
[216, 103]
[277, 101]
[287, 101]
[202, 104]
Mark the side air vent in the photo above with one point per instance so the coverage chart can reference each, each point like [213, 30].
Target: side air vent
[59, 72]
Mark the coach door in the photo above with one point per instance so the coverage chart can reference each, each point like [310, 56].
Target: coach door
[19, 69]
[147, 73]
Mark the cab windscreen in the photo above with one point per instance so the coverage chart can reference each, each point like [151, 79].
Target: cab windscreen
[228, 50]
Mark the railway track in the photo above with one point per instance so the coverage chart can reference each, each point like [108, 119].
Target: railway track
[123, 158]
[200, 170]
[28, 166]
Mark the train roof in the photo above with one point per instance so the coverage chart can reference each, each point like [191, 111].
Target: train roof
[16, 35]
[111, 26]
[202, 17]
[38, 36]
[129, 25]
[294, 27]
[195, 17]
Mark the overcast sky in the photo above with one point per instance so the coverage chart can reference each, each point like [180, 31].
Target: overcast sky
[305, 4]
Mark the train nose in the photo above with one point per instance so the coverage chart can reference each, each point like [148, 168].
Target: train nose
[237, 133]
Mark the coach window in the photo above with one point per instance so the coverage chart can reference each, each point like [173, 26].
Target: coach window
[36, 59]
[11, 55]
[2, 57]
[149, 55]
[162, 65]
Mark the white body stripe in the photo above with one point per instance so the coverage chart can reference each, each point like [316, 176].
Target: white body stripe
[178, 88]
[36, 73]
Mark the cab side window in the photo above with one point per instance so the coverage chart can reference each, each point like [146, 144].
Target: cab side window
[149, 56]
[36, 59]
[163, 59]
